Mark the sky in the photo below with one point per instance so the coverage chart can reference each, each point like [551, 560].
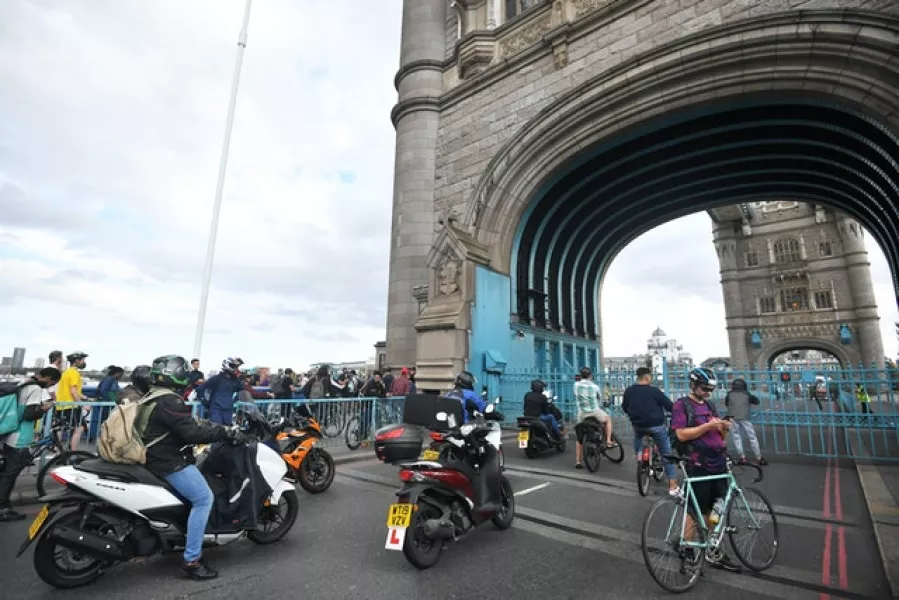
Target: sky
[111, 124]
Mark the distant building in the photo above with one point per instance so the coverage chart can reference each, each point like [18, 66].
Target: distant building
[717, 363]
[805, 359]
[40, 363]
[18, 358]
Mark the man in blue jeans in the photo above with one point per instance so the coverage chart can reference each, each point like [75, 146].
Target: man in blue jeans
[646, 405]
[170, 428]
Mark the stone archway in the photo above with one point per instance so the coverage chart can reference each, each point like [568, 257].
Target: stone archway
[782, 66]
[765, 361]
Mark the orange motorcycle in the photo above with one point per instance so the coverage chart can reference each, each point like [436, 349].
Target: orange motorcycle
[311, 465]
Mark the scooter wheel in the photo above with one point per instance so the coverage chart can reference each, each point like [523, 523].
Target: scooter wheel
[58, 573]
[421, 551]
[503, 519]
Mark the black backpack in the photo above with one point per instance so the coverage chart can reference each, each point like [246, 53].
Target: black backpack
[685, 448]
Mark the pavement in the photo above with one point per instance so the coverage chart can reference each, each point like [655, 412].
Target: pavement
[576, 535]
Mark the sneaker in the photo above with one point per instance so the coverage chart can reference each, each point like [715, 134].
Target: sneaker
[725, 564]
[199, 570]
[763, 462]
[676, 493]
[742, 461]
[7, 515]
[578, 466]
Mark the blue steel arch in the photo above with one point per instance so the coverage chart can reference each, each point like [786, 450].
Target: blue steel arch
[820, 151]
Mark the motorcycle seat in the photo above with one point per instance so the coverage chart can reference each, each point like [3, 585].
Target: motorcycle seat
[124, 473]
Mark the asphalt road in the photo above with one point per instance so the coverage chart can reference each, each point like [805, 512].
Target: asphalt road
[576, 537]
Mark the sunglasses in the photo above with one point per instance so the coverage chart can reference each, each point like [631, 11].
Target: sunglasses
[707, 388]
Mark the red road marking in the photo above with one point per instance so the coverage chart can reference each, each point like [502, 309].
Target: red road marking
[841, 531]
[828, 532]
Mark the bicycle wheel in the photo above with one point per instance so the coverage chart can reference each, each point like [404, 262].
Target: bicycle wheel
[70, 458]
[643, 478]
[675, 568]
[353, 437]
[592, 456]
[616, 453]
[751, 514]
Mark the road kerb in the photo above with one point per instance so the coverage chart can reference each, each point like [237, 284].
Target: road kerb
[885, 519]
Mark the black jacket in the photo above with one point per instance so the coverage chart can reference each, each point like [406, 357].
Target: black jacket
[646, 406]
[173, 416]
[536, 404]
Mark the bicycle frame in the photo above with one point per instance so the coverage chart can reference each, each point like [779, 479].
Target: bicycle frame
[708, 539]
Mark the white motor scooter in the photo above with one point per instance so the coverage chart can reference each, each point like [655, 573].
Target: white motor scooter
[109, 513]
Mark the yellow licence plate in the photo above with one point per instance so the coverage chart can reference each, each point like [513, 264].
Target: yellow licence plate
[523, 437]
[38, 521]
[399, 515]
[430, 455]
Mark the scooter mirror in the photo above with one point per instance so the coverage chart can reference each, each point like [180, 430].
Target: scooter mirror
[489, 409]
[555, 398]
[441, 416]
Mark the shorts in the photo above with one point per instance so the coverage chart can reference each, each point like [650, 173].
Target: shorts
[70, 416]
[582, 428]
[707, 492]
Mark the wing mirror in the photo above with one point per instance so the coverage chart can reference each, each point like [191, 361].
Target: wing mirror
[489, 409]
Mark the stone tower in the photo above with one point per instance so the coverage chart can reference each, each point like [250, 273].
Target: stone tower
[795, 275]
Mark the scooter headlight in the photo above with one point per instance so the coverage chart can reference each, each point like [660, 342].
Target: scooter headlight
[466, 429]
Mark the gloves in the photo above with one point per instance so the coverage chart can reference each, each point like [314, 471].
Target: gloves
[237, 438]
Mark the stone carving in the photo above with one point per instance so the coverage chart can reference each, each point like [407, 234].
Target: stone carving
[582, 7]
[560, 56]
[448, 277]
[446, 217]
[526, 36]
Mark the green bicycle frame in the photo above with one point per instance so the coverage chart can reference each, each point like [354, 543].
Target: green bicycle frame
[733, 489]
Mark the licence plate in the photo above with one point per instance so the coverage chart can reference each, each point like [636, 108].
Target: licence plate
[38, 521]
[523, 437]
[430, 455]
[399, 515]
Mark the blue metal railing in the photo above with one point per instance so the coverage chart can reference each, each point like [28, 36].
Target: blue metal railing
[810, 411]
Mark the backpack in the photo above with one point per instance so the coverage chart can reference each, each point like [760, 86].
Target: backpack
[318, 389]
[10, 413]
[685, 448]
[120, 435]
[275, 385]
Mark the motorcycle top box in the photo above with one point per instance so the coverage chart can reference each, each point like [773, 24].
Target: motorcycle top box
[398, 443]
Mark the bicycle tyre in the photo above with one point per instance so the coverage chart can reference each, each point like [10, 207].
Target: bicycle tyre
[353, 435]
[60, 460]
[757, 567]
[615, 454]
[592, 457]
[642, 478]
[694, 579]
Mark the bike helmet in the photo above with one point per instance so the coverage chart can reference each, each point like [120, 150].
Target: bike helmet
[465, 380]
[170, 371]
[538, 386]
[140, 378]
[231, 365]
[703, 376]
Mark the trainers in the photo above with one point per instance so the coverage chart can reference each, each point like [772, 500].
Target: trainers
[199, 570]
[9, 514]
[578, 466]
[763, 462]
[676, 493]
[725, 564]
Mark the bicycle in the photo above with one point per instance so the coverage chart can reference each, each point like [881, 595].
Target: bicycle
[594, 445]
[691, 555]
[650, 464]
[60, 432]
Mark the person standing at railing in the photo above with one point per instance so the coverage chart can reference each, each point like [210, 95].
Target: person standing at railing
[738, 402]
[218, 393]
[49, 393]
[861, 394]
[401, 385]
[107, 391]
[69, 394]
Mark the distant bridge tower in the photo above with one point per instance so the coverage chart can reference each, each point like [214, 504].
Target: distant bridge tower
[795, 275]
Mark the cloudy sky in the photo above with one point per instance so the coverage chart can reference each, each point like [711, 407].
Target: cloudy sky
[111, 122]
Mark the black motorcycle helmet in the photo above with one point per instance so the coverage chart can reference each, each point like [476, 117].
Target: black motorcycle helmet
[465, 380]
[170, 372]
[538, 386]
[140, 378]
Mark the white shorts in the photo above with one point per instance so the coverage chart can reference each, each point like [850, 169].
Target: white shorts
[598, 414]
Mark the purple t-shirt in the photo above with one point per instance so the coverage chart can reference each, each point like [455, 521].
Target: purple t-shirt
[708, 449]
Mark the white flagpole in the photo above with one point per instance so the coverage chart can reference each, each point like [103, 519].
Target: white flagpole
[217, 207]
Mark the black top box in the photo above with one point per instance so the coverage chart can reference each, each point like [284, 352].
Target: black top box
[422, 409]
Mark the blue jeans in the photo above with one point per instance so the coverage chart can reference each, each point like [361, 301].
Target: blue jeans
[553, 422]
[191, 484]
[660, 435]
[221, 416]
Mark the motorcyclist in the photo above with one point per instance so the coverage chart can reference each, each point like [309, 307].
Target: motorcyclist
[463, 390]
[139, 386]
[536, 404]
[169, 429]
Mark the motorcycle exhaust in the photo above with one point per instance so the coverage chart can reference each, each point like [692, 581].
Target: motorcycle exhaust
[103, 548]
[437, 529]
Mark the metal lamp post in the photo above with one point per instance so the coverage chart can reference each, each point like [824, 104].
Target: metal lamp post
[223, 163]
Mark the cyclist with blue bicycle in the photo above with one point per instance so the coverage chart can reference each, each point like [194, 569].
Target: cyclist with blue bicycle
[646, 406]
[700, 436]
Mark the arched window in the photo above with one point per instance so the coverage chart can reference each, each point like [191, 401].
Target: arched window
[787, 250]
[516, 7]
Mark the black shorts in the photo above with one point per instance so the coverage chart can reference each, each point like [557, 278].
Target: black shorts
[71, 416]
[707, 492]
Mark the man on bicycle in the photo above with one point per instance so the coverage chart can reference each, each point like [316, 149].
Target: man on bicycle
[587, 397]
[646, 405]
[701, 436]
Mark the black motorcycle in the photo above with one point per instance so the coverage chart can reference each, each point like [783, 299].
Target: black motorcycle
[536, 435]
[444, 500]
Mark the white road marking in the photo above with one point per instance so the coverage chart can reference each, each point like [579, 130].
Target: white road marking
[532, 489]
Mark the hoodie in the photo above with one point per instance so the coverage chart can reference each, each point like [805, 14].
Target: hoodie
[738, 400]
